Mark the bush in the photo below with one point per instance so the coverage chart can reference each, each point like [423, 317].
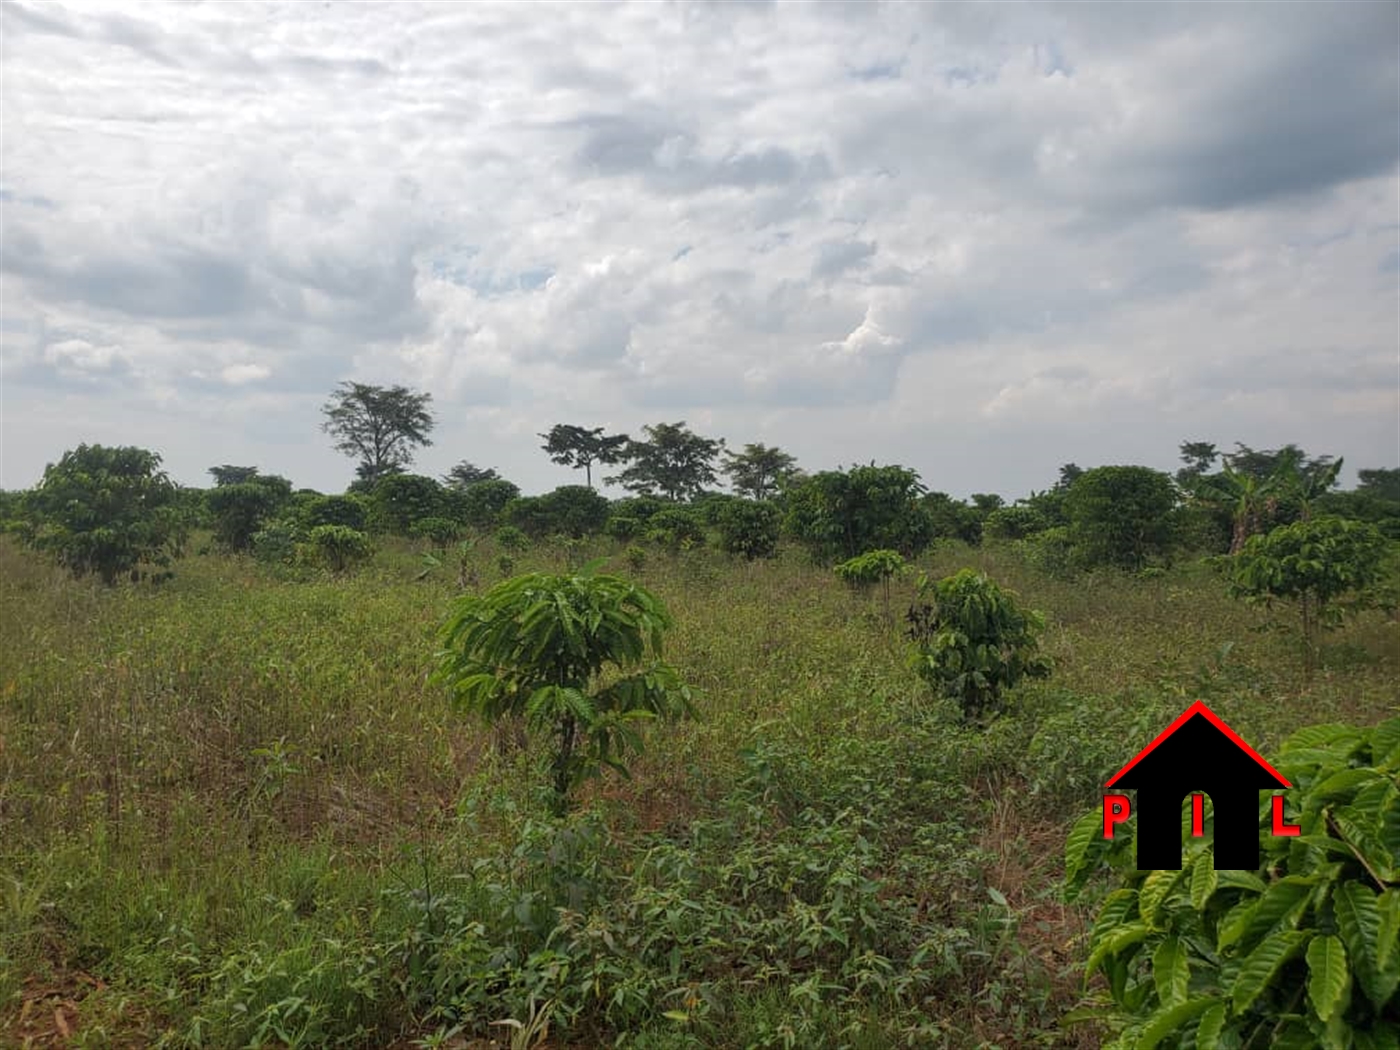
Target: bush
[839, 514]
[349, 511]
[570, 510]
[238, 511]
[1052, 552]
[1302, 952]
[106, 511]
[509, 538]
[480, 504]
[1013, 523]
[340, 547]
[440, 532]
[749, 527]
[622, 527]
[1313, 564]
[973, 641]
[400, 501]
[676, 528]
[1121, 516]
[277, 544]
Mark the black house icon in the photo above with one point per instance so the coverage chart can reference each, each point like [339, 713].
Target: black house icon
[1198, 753]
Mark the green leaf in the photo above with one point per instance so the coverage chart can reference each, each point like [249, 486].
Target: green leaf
[1359, 920]
[1211, 1029]
[1121, 939]
[1081, 837]
[1155, 890]
[1171, 1019]
[1203, 879]
[1260, 966]
[1170, 971]
[1328, 975]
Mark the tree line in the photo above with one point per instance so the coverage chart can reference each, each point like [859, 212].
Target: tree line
[114, 512]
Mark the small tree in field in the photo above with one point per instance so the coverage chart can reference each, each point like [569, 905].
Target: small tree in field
[107, 511]
[577, 656]
[1312, 563]
[872, 567]
[340, 547]
[972, 640]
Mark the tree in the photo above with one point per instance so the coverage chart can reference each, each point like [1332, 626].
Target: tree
[379, 425]
[986, 502]
[466, 474]
[839, 514]
[230, 475]
[1199, 457]
[674, 463]
[401, 500]
[749, 528]
[1383, 483]
[866, 570]
[952, 519]
[1312, 563]
[480, 505]
[350, 511]
[105, 510]
[758, 471]
[1121, 515]
[577, 656]
[570, 510]
[972, 640]
[576, 447]
[340, 547]
[1069, 474]
[239, 510]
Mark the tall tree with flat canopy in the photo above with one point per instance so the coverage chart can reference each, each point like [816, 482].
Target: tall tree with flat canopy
[576, 447]
[675, 463]
[381, 426]
[758, 471]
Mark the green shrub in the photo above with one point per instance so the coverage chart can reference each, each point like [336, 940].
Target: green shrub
[676, 528]
[440, 532]
[972, 641]
[1013, 523]
[400, 501]
[1052, 552]
[106, 511]
[277, 544]
[338, 547]
[350, 511]
[837, 514]
[1121, 516]
[1312, 564]
[748, 527]
[1302, 952]
[577, 657]
[510, 538]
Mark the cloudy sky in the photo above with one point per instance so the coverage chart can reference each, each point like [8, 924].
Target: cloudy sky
[980, 240]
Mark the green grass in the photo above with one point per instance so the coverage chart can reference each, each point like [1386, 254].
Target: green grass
[235, 812]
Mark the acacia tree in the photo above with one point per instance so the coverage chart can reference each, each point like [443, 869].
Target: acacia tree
[577, 656]
[573, 446]
[381, 426]
[673, 463]
[466, 474]
[107, 511]
[758, 471]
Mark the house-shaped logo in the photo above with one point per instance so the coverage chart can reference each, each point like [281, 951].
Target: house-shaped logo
[1196, 755]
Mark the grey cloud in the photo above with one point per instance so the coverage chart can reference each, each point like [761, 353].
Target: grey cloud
[836, 257]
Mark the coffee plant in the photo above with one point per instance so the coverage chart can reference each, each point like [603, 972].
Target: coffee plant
[1302, 952]
[972, 640]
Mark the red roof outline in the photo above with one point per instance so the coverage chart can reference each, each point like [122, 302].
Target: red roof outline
[1199, 708]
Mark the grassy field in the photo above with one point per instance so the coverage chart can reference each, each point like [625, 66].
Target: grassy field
[234, 811]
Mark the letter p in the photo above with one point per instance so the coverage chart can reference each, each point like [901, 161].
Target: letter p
[1116, 809]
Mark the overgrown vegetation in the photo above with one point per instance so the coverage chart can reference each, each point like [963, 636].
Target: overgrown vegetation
[1303, 952]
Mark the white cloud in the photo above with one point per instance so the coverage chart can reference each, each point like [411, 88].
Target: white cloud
[855, 231]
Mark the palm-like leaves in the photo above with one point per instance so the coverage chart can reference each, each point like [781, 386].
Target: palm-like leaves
[576, 655]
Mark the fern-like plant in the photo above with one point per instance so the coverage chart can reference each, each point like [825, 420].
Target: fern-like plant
[576, 656]
[1301, 953]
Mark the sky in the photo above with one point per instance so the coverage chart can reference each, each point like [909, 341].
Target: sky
[978, 240]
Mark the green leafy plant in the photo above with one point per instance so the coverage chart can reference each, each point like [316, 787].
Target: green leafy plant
[1312, 563]
[440, 532]
[749, 528]
[105, 511]
[511, 539]
[1302, 952]
[871, 568]
[576, 656]
[339, 547]
[972, 640]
